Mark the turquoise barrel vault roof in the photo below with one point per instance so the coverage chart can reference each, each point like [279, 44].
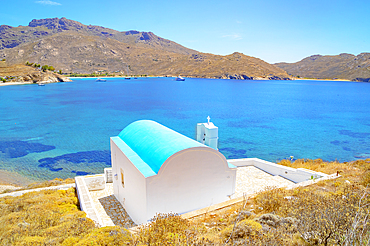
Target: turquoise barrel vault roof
[149, 144]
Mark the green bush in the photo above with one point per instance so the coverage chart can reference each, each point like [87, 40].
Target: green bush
[45, 67]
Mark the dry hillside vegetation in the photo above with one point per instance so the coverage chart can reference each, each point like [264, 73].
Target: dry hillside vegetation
[35, 185]
[76, 48]
[23, 73]
[333, 212]
[343, 66]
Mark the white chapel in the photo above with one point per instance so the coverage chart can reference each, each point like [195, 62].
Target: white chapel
[158, 170]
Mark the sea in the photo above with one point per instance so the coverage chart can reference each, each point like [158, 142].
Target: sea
[62, 130]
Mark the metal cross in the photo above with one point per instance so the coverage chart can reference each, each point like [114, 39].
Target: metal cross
[208, 118]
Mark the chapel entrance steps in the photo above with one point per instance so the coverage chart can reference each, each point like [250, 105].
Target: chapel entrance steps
[96, 197]
[116, 212]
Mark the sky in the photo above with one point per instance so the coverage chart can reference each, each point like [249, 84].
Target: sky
[274, 31]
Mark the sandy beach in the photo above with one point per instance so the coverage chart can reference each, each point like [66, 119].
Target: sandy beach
[15, 83]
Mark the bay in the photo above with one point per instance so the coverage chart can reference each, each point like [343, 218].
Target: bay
[63, 129]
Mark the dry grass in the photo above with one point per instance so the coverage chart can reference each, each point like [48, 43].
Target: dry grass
[52, 217]
[54, 182]
[334, 212]
[49, 183]
[16, 70]
[41, 217]
[355, 171]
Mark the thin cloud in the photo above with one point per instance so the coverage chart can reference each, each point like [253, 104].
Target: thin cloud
[47, 2]
[233, 36]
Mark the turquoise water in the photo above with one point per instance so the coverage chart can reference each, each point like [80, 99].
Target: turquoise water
[63, 129]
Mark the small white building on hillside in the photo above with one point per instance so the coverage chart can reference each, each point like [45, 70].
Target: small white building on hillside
[158, 170]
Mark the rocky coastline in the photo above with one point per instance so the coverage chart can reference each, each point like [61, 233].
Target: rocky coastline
[361, 79]
[21, 74]
[238, 77]
[40, 77]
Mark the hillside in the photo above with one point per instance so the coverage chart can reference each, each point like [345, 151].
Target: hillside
[23, 73]
[76, 48]
[328, 212]
[343, 66]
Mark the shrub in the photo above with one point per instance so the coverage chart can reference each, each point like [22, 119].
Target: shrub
[325, 217]
[104, 236]
[365, 179]
[165, 229]
[45, 67]
[275, 221]
[243, 229]
[271, 199]
[42, 218]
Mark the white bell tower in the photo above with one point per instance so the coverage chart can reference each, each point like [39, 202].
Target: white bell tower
[207, 133]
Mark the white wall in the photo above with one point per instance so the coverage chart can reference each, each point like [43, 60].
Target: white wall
[190, 179]
[295, 175]
[133, 195]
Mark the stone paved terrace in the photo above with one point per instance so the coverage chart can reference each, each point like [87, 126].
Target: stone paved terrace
[249, 180]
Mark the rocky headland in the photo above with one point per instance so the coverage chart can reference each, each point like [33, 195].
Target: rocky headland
[26, 74]
[343, 66]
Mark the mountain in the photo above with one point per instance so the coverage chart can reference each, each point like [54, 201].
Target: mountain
[38, 29]
[74, 47]
[343, 66]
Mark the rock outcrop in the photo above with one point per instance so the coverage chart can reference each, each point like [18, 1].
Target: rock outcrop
[40, 77]
[361, 79]
[245, 77]
[22, 73]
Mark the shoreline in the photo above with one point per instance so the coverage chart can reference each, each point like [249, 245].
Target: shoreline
[260, 78]
[10, 178]
[344, 80]
[116, 77]
[71, 78]
[16, 83]
[29, 83]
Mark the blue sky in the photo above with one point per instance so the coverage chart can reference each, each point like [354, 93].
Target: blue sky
[275, 31]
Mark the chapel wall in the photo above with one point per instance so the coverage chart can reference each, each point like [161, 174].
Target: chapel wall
[190, 179]
[131, 193]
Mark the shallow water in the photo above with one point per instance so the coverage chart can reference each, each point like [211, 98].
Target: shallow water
[62, 130]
